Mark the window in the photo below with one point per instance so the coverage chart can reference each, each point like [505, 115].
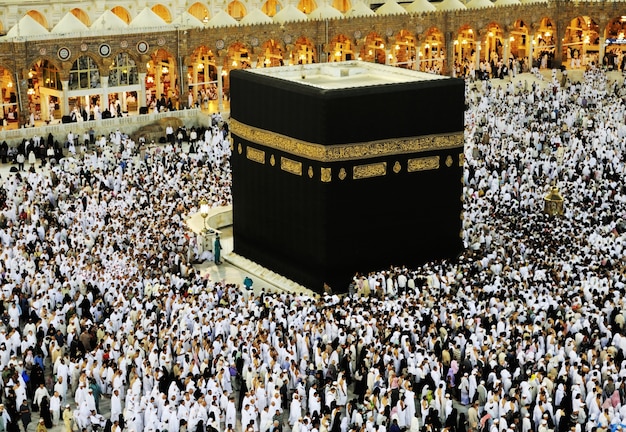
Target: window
[50, 76]
[84, 74]
[123, 71]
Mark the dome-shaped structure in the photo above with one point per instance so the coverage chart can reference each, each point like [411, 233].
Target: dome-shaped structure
[448, 5]
[255, 16]
[290, 13]
[478, 4]
[420, 6]
[359, 9]
[222, 19]
[27, 26]
[108, 21]
[391, 7]
[325, 11]
[147, 18]
[69, 24]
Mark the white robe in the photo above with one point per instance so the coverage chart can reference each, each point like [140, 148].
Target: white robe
[295, 411]
[116, 407]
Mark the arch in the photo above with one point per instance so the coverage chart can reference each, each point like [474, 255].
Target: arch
[544, 43]
[82, 16]
[44, 88]
[123, 70]
[203, 59]
[84, 74]
[432, 53]
[519, 42]
[123, 84]
[271, 7]
[163, 12]
[615, 39]
[202, 77]
[8, 103]
[38, 16]
[46, 73]
[581, 42]
[373, 49]
[161, 78]
[236, 9]
[492, 44]
[271, 54]
[340, 48]
[307, 6]
[200, 11]
[342, 6]
[616, 28]
[465, 50]
[122, 13]
[237, 57]
[304, 51]
[404, 50]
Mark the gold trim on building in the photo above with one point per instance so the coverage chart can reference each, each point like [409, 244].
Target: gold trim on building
[310, 172]
[423, 164]
[255, 155]
[378, 169]
[239, 149]
[449, 161]
[326, 175]
[272, 160]
[397, 167]
[342, 174]
[461, 159]
[344, 152]
[291, 166]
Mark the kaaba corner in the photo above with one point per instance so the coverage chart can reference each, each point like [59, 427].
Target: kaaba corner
[345, 167]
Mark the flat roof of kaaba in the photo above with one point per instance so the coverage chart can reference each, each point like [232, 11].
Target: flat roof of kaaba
[346, 102]
[345, 75]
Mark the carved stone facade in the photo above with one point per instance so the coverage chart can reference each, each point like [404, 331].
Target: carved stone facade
[203, 57]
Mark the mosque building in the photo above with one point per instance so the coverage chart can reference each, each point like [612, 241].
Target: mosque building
[58, 55]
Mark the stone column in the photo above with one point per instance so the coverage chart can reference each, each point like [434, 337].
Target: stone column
[449, 66]
[220, 88]
[45, 105]
[558, 44]
[418, 56]
[487, 49]
[194, 76]
[183, 82]
[158, 87]
[142, 89]
[601, 48]
[506, 49]
[104, 81]
[21, 91]
[65, 103]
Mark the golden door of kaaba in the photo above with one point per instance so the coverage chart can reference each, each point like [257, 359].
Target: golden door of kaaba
[345, 167]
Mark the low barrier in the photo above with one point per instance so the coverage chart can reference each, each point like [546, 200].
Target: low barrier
[128, 124]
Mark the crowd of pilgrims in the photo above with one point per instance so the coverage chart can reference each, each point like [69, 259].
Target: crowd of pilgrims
[524, 332]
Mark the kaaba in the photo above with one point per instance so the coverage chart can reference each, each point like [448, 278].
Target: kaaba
[345, 167]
